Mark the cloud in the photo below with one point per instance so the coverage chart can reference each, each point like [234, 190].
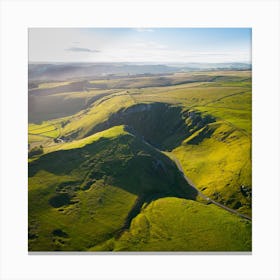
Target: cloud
[144, 30]
[76, 49]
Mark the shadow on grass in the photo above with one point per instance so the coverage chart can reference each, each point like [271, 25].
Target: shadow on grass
[162, 125]
[125, 162]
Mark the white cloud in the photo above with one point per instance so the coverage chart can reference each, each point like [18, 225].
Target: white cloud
[78, 49]
[51, 44]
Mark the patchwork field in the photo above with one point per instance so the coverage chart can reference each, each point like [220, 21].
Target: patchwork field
[105, 157]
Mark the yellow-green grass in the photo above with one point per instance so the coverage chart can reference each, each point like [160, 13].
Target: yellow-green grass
[139, 82]
[82, 94]
[36, 138]
[188, 96]
[52, 84]
[246, 83]
[46, 129]
[100, 112]
[174, 224]
[59, 105]
[184, 96]
[239, 101]
[81, 197]
[95, 212]
[229, 73]
[106, 134]
[235, 109]
[40, 128]
[241, 119]
[97, 215]
[232, 107]
[170, 79]
[219, 165]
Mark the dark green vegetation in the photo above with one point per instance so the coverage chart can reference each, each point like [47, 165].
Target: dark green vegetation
[35, 151]
[102, 174]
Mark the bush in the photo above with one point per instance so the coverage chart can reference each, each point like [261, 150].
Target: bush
[36, 151]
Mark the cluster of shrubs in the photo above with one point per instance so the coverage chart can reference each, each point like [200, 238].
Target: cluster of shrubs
[36, 151]
[64, 123]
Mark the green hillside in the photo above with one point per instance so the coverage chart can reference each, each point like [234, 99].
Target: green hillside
[173, 224]
[101, 163]
[91, 192]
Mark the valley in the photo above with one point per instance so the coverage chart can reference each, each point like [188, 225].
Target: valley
[141, 161]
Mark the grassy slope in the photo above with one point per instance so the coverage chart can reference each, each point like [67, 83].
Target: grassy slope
[109, 133]
[52, 106]
[81, 123]
[173, 224]
[219, 165]
[227, 150]
[82, 196]
[48, 129]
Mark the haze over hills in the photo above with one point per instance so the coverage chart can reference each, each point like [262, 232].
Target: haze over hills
[64, 71]
[140, 162]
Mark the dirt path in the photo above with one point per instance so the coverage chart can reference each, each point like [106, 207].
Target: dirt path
[208, 199]
[176, 161]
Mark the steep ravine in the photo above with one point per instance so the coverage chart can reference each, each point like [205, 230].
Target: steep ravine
[163, 125]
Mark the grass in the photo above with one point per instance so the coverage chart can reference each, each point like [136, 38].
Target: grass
[107, 189]
[52, 84]
[59, 105]
[96, 211]
[94, 186]
[219, 165]
[83, 122]
[110, 133]
[96, 215]
[44, 130]
[174, 224]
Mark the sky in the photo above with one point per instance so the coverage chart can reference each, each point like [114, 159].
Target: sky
[160, 45]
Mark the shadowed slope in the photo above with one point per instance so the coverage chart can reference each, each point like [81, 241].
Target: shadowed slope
[107, 180]
[162, 125]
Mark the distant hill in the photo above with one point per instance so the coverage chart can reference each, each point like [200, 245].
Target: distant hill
[214, 66]
[64, 71]
[76, 70]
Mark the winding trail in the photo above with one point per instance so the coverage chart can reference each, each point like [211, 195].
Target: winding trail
[208, 199]
[178, 164]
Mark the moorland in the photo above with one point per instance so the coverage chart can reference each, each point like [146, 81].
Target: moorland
[157, 161]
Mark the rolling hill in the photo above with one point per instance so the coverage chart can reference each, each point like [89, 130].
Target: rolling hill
[105, 177]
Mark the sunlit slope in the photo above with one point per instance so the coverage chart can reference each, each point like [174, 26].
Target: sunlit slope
[174, 224]
[96, 102]
[110, 133]
[213, 147]
[82, 195]
[81, 124]
[208, 129]
[218, 160]
[49, 106]
[97, 105]
[98, 170]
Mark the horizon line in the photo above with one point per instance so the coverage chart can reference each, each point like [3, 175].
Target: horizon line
[157, 62]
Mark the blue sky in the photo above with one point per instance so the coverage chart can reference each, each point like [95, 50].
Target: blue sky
[140, 45]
